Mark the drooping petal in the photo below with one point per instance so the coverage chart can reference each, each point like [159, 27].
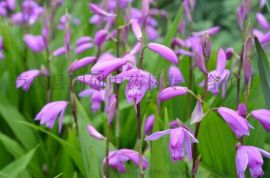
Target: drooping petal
[241, 161]
[87, 92]
[81, 63]
[175, 76]
[149, 123]
[136, 29]
[91, 80]
[171, 92]
[83, 47]
[197, 113]
[25, 79]
[263, 116]
[163, 51]
[157, 135]
[221, 62]
[94, 133]
[60, 51]
[96, 10]
[100, 37]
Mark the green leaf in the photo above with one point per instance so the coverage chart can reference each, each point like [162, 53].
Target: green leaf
[12, 146]
[264, 71]
[93, 151]
[217, 146]
[12, 116]
[19, 165]
[71, 150]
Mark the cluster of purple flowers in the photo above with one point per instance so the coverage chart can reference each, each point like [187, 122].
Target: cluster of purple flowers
[125, 68]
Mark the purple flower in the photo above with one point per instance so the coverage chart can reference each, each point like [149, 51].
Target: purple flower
[36, 43]
[200, 62]
[242, 12]
[67, 17]
[197, 114]
[237, 123]
[211, 31]
[163, 51]
[118, 158]
[1, 48]
[97, 97]
[145, 9]
[91, 80]
[221, 62]
[94, 133]
[242, 110]
[96, 10]
[105, 67]
[175, 76]
[83, 44]
[250, 156]
[83, 40]
[206, 45]
[60, 51]
[49, 113]
[111, 108]
[25, 79]
[262, 21]
[263, 116]
[30, 14]
[171, 92]
[247, 72]
[149, 123]
[139, 82]
[179, 137]
[67, 35]
[182, 52]
[262, 3]
[136, 29]
[100, 37]
[229, 53]
[75, 65]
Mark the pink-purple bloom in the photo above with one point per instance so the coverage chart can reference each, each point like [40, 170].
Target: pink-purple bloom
[83, 44]
[100, 37]
[25, 79]
[35, 43]
[97, 97]
[94, 133]
[91, 81]
[171, 92]
[163, 51]
[175, 76]
[50, 112]
[139, 82]
[250, 156]
[180, 137]
[97, 10]
[136, 29]
[105, 67]
[75, 65]
[149, 124]
[118, 158]
[238, 124]
[263, 116]
[262, 21]
[197, 114]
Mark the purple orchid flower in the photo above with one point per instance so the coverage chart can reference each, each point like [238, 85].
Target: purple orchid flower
[262, 21]
[30, 14]
[220, 76]
[118, 158]
[105, 67]
[263, 116]
[83, 44]
[175, 76]
[75, 65]
[67, 17]
[91, 81]
[163, 51]
[111, 108]
[100, 37]
[50, 112]
[171, 92]
[60, 51]
[35, 43]
[211, 31]
[25, 79]
[237, 123]
[179, 137]
[242, 12]
[149, 124]
[96, 10]
[139, 82]
[94, 133]
[97, 97]
[250, 156]
[197, 114]
[229, 53]
[136, 29]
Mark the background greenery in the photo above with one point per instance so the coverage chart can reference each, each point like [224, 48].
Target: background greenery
[30, 150]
